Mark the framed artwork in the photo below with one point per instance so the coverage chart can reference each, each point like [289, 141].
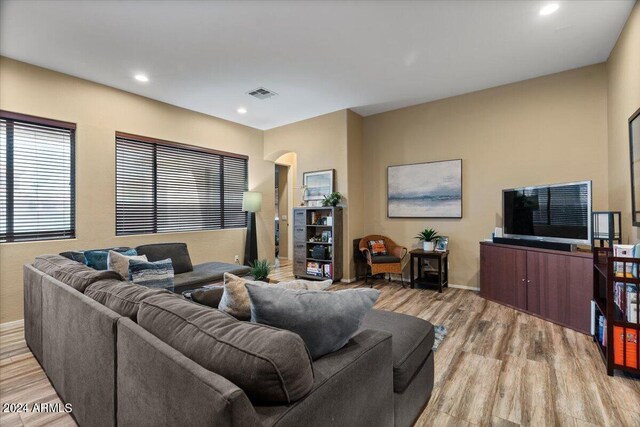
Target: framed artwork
[318, 184]
[425, 190]
[634, 151]
[442, 244]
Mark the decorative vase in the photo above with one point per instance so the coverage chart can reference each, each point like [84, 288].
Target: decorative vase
[428, 246]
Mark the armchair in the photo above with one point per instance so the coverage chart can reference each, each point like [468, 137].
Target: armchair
[380, 264]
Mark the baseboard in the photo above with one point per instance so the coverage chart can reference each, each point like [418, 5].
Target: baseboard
[347, 280]
[468, 288]
[12, 324]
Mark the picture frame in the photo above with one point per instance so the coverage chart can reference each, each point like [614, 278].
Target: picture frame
[634, 155]
[425, 190]
[318, 184]
[442, 245]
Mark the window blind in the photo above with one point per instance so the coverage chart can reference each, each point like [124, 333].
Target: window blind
[167, 187]
[563, 206]
[37, 178]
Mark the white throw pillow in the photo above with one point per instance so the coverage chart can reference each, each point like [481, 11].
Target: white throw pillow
[120, 263]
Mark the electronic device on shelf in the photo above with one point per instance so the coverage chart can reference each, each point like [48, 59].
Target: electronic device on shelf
[556, 216]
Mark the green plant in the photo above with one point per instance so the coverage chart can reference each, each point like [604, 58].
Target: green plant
[260, 269]
[428, 235]
[332, 199]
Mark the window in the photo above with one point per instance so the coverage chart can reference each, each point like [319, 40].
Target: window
[166, 187]
[37, 178]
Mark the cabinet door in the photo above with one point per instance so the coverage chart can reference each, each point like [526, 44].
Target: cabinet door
[547, 290]
[580, 284]
[501, 274]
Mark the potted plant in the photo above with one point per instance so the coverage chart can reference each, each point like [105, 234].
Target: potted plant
[260, 270]
[332, 199]
[428, 236]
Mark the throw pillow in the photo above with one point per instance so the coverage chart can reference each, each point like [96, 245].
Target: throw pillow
[208, 296]
[325, 320]
[97, 259]
[309, 285]
[120, 262]
[157, 274]
[235, 299]
[377, 247]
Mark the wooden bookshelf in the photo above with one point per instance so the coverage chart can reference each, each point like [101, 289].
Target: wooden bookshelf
[310, 224]
[620, 349]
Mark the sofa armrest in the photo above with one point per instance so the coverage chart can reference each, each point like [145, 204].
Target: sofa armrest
[353, 385]
[159, 386]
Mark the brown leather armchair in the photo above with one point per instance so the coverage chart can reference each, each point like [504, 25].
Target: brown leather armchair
[380, 264]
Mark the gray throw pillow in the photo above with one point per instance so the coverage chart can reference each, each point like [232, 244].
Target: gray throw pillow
[325, 320]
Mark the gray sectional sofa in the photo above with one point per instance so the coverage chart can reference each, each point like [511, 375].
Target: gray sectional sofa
[187, 276]
[126, 355]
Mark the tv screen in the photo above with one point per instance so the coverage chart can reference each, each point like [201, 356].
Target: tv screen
[559, 212]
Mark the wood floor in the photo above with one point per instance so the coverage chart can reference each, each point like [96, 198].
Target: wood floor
[496, 367]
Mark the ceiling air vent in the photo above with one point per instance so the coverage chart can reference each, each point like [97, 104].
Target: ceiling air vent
[261, 93]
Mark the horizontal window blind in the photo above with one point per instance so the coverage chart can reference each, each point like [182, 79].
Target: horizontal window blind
[562, 206]
[165, 187]
[37, 174]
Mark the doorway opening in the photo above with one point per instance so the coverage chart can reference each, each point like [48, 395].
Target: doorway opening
[285, 173]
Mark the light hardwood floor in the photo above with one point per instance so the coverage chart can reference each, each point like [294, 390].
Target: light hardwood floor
[496, 367]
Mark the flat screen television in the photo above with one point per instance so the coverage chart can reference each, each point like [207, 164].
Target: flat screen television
[555, 213]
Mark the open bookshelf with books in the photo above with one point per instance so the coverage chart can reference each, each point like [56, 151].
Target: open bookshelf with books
[616, 325]
[317, 243]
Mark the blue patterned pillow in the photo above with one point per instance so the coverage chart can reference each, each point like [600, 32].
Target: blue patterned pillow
[158, 274]
[97, 259]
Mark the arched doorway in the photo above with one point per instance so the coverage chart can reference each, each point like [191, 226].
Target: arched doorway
[285, 176]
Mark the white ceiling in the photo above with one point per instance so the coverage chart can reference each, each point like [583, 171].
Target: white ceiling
[318, 56]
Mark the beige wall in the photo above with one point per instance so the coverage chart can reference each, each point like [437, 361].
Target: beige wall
[99, 112]
[356, 177]
[283, 209]
[623, 70]
[546, 130]
[319, 143]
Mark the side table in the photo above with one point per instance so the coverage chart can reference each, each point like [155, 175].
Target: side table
[438, 277]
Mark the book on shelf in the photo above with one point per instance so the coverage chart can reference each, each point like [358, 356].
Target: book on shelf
[625, 346]
[314, 268]
[328, 270]
[620, 268]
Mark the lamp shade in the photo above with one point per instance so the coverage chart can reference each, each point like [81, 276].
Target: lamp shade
[251, 201]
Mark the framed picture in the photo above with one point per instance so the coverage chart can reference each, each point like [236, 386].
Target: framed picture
[442, 244]
[318, 184]
[425, 190]
[634, 151]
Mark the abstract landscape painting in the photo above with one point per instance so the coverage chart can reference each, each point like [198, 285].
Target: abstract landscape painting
[425, 190]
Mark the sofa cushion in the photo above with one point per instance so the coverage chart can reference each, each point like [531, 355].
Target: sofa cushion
[208, 296]
[325, 320]
[72, 273]
[97, 258]
[158, 274]
[412, 342]
[178, 253]
[122, 297]
[269, 364]
[208, 272]
[384, 259]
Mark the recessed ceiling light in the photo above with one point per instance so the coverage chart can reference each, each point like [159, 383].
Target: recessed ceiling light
[141, 78]
[549, 9]
[242, 110]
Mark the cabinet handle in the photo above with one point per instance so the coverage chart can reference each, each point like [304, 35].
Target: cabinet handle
[522, 280]
[528, 281]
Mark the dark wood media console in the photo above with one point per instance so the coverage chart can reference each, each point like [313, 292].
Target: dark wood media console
[554, 285]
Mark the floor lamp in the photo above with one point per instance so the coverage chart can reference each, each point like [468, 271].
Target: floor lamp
[251, 203]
